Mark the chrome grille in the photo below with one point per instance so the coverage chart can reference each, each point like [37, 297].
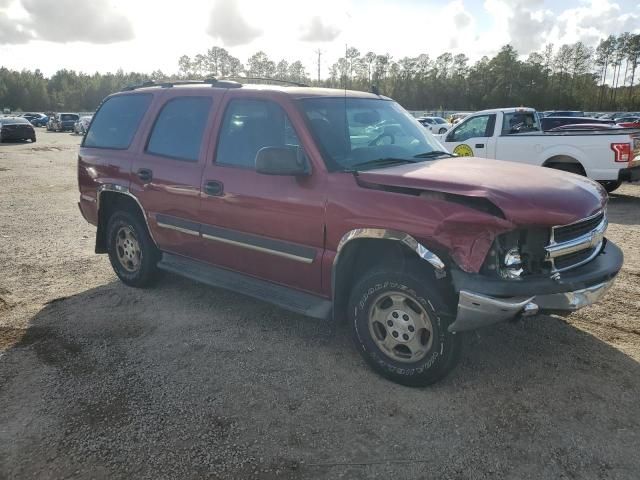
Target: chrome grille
[577, 243]
[569, 232]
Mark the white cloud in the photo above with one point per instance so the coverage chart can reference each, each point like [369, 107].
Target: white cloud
[228, 25]
[318, 31]
[292, 30]
[70, 21]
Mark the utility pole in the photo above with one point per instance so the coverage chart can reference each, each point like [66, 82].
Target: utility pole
[319, 52]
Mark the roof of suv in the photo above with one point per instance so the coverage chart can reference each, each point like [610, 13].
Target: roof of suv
[295, 92]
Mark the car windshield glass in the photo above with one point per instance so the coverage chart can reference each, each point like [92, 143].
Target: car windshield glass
[439, 120]
[13, 120]
[357, 131]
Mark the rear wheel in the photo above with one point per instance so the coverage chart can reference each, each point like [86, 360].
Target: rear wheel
[442, 130]
[611, 185]
[399, 324]
[132, 253]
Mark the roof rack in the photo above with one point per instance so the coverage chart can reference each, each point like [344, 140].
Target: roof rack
[214, 82]
[267, 79]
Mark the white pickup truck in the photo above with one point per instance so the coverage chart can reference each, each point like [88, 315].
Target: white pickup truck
[609, 156]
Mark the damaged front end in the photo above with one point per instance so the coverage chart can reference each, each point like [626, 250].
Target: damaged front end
[557, 270]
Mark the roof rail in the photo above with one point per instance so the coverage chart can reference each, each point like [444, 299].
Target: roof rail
[171, 83]
[267, 79]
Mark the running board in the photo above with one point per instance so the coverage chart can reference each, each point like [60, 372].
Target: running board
[284, 297]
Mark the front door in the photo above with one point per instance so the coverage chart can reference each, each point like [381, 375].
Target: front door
[268, 226]
[471, 137]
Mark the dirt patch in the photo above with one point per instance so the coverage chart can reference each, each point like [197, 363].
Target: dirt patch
[184, 381]
[10, 337]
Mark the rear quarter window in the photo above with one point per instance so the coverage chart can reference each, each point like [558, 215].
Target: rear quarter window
[116, 122]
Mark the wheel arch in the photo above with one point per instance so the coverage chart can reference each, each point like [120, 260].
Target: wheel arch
[112, 198]
[560, 159]
[358, 247]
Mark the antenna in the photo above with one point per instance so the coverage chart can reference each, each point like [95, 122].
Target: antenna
[319, 52]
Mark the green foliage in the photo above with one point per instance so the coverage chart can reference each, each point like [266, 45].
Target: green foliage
[569, 77]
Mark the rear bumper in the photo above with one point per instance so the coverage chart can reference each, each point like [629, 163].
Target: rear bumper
[17, 134]
[484, 301]
[631, 174]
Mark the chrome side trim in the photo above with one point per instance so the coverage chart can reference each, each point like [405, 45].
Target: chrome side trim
[257, 248]
[178, 229]
[386, 234]
[113, 187]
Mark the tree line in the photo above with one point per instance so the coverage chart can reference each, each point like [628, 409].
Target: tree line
[572, 76]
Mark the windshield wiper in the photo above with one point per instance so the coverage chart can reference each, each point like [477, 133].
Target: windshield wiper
[433, 154]
[380, 162]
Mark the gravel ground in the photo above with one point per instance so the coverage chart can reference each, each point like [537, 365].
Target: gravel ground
[98, 380]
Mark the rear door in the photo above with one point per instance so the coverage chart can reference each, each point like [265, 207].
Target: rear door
[470, 138]
[165, 175]
[268, 226]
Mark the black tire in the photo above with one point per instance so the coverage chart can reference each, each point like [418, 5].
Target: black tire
[442, 130]
[144, 272]
[444, 351]
[33, 139]
[611, 185]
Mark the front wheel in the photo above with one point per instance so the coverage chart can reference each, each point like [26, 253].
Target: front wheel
[611, 185]
[442, 130]
[132, 253]
[399, 324]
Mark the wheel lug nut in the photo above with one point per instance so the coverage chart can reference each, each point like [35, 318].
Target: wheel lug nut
[405, 318]
[390, 323]
[394, 314]
[405, 336]
[411, 329]
[395, 334]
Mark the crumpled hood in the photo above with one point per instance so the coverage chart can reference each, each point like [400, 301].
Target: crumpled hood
[527, 195]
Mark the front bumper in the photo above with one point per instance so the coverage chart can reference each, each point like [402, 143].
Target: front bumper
[631, 174]
[484, 301]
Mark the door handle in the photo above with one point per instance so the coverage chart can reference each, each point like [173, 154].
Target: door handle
[213, 188]
[145, 174]
[479, 145]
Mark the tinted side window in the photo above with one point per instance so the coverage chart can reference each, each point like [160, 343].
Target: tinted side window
[519, 122]
[179, 127]
[116, 122]
[250, 125]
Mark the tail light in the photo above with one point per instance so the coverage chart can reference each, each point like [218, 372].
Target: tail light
[622, 151]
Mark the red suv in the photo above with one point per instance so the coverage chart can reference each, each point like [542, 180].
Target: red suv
[338, 205]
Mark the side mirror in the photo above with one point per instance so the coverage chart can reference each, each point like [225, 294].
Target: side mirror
[282, 161]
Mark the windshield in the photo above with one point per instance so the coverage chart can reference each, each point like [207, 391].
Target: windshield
[439, 120]
[352, 131]
[13, 120]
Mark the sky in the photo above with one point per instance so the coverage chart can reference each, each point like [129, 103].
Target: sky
[146, 35]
